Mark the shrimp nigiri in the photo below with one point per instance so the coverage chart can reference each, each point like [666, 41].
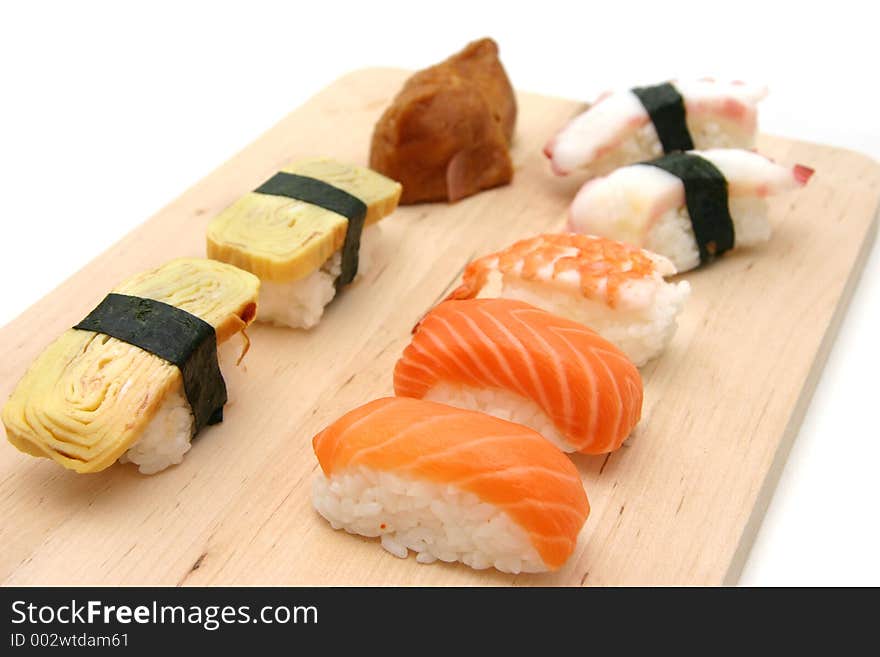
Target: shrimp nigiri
[616, 289]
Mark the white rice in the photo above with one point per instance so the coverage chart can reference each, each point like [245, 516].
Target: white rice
[672, 234]
[168, 436]
[502, 404]
[301, 303]
[641, 324]
[438, 522]
[644, 144]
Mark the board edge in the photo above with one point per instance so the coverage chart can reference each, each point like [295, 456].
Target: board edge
[780, 458]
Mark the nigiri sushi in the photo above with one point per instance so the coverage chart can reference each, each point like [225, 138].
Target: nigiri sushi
[523, 364]
[628, 126]
[449, 484]
[616, 289]
[690, 207]
[306, 232]
[140, 375]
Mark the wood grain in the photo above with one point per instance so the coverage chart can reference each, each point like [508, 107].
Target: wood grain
[679, 504]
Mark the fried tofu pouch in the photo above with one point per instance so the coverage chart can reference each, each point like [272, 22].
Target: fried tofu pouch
[447, 133]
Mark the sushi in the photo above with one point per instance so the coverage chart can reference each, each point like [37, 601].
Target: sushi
[451, 485]
[523, 364]
[690, 207]
[139, 376]
[447, 133]
[306, 232]
[616, 289]
[628, 126]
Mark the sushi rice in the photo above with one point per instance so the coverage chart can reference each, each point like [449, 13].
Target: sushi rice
[644, 144]
[502, 404]
[168, 436]
[673, 233]
[436, 521]
[301, 303]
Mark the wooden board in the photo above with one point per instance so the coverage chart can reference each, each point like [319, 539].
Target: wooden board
[679, 504]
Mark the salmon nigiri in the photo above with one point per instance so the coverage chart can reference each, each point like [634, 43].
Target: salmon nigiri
[450, 484]
[518, 362]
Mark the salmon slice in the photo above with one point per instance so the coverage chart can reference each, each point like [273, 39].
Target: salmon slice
[504, 464]
[584, 385]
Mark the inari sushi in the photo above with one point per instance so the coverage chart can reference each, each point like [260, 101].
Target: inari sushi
[523, 364]
[616, 289]
[449, 484]
[633, 125]
[139, 376]
[307, 232]
[447, 133]
[690, 207]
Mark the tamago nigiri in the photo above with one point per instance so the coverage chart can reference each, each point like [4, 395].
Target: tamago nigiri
[139, 376]
[307, 232]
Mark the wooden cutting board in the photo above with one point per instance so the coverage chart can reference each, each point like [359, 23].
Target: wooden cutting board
[679, 504]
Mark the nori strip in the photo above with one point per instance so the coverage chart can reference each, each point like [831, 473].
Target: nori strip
[665, 106]
[173, 334]
[705, 191]
[323, 194]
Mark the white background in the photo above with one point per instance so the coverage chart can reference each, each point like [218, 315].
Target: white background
[109, 110]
